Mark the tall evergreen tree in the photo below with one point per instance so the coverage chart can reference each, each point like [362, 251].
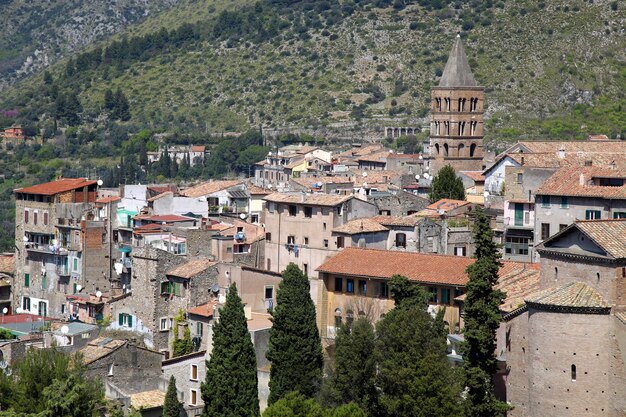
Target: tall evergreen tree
[122, 107]
[446, 184]
[354, 379]
[171, 407]
[295, 349]
[414, 376]
[482, 318]
[230, 388]
[109, 100]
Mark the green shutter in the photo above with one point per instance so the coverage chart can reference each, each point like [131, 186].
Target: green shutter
[26, 280]
[121, 319]
[177, 286]
[75, 287]
[130, 321]
[43, 282]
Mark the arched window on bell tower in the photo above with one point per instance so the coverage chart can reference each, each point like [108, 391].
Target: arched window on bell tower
[447, 99]
[473, 125]
[472, 149]
[437, 148]
[446, 126]
[461, 128]
[438, 103]
[445, 149]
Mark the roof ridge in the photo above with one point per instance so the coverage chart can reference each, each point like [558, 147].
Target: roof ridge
[457, 72]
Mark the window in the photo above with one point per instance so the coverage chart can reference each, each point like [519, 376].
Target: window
[306, 269]
[324, 226]
[45, 218]
[171, 288]
[193, 398]
[564, 202]
[199, 328]
[62, 308]
[384, 290]
[229, 249]
[433, 294]
[516, 245]
[306, 240]
[545, 201]
[269, 292]
[445, 296]
[350, 286]
[268, 237]
[545, 231]
[520, 178]
[460, 251]
[562, 226]
[619, 215]
[362, 287]
[308, 212]
[340, 242]
[573, 372]
[593, 214]
[338, 284]
[75, 265]
[270, 205]
[43, 282]
[26, 216]
[125, 320]
[164, 324]
[293, 210]
[325, 243]
[26, 304]
[27, 280]
[110, 373]
[35, 215]
[194, 373]
[291, 240]
[269, 264]
[556, 273]
[401, 240]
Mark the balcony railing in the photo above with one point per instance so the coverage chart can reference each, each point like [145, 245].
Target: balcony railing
[44, 248]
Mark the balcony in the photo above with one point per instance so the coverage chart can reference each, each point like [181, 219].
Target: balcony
[62, 270]
[46, 248]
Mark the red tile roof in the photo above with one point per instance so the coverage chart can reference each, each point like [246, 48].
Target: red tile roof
[358, 226]
[477, 176]
[56, 187]
[198, 148]
[447, 204]
[204, 310]
[581, 182]
[110, 199]
[418, 267]
[209, 187]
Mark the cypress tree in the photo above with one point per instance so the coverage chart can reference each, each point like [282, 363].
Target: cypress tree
[354, 379]
[230, 388]
[109, 100]
[295, 350]
[171, 407]
[482, 319]
[446, 184]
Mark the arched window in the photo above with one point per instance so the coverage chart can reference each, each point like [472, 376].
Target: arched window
[461, 150]
[472, 149]
[473, 128]
[437, 148]
[461, 128]
[556, 273]
[445, 149]
[446, 126]
[447, 99]
[438, 103]
[573, 372]
[337, 317]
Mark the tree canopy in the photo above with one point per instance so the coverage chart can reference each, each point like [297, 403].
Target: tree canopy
[446, 184]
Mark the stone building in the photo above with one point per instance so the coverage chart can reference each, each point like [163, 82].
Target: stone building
[456, 116]
[63, 245]
[298, 227]
[7, 275]
[563, 348]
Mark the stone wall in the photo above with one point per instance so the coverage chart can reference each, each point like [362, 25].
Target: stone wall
[399, 204]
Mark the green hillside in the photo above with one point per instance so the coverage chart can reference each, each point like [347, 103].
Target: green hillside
[550, 68]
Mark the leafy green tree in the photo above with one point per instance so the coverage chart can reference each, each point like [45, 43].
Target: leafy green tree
[295, 404]
[231, 385]
[171, 407]
[414, 376]
[67, 108]
[446, 184]
[5, 334]
[49, 383]
[482, 319]
[295, 349]
[354, 378]
[183, 346]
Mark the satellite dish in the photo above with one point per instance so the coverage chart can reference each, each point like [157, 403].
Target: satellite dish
[221, 299]
[417, 177]
[364, 185]
[79, 287]
[5, 310]
[242, 216]
[426, 176]
[98, 294]
[269, 186]
[100, 182]
[486, 194]
[19, 310]
[215, 288]
[65, 330]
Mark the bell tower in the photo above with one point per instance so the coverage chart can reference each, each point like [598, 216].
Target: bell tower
[456, 116]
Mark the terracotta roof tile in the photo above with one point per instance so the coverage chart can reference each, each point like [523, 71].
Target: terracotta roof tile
[7, 264]
[156, 197]
[198, 148]
[55, 187]
[191, 269]
[310, 199]
[408, 221]
[209, 187]
[610, 235]
[581, 182]
[254, 190]
[360, 226]
[147, 400]
[110, 199]
[167, 218]
[418, 267]
[204, 310]
[447, 204]
[573, 295]
[474, 175]
[574, 146]
[99, 348]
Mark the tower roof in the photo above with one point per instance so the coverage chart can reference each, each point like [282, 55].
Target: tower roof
[457, 72]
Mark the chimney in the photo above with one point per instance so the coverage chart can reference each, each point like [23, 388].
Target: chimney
[302, 196]
[582, 179]
[561, 153]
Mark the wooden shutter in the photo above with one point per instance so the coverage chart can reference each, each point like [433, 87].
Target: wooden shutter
[130, 321]
[121, 319]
